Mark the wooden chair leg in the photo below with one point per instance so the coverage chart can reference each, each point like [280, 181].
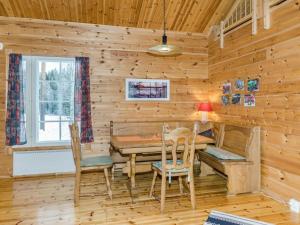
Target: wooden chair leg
[180, 185]
[192, 191]
[163, 192]
[107, 183]
[153, 184]
[113, 172]
[77, 188]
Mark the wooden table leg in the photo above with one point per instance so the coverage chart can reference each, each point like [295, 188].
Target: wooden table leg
[132, 169]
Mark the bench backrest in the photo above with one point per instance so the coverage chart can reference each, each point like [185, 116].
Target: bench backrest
[244, 141]
[149, 127]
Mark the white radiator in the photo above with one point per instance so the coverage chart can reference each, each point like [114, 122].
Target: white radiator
[42, 162]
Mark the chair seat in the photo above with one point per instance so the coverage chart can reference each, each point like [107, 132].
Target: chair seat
[223, 154]
[158, 165]
[96, 161]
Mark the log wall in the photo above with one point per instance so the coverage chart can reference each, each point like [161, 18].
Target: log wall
[115, 53]
[273, 57]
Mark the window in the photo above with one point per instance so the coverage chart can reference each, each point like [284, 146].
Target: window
[49, 99]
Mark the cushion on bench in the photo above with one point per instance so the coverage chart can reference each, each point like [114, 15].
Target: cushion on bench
[222, 154]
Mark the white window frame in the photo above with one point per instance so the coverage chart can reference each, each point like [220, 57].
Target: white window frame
[32, 94]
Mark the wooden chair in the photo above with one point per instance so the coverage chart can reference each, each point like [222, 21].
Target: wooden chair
[176, 167]
[91, 163]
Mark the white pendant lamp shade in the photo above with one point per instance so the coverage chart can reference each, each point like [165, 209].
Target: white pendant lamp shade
[164, 49]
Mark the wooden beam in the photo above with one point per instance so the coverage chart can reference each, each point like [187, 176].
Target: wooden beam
[254, 17]
[267, 22]
[222, 34]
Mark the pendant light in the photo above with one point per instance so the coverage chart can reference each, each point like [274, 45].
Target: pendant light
[164, 49]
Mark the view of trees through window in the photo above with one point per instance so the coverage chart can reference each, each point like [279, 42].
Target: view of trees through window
[56, 91]
[52, 90]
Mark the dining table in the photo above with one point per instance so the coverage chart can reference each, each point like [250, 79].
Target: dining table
[133, 145]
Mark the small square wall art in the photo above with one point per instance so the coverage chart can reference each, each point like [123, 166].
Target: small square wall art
[236, 99]
[253, 85]
[239, 85]
[249, 100]
[226, 88]
[225, 99]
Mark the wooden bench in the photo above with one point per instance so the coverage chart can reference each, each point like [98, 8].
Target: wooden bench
[243, 175]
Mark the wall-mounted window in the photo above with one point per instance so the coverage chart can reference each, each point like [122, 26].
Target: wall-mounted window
[49, 100]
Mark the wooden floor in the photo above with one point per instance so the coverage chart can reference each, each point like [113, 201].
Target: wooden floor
[49, 200]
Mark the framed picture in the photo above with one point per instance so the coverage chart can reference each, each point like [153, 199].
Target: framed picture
[239, 85]
[249, 100]
[147, 90]
[226, 88]
[225, 99]
[253, 85]
[236, 99]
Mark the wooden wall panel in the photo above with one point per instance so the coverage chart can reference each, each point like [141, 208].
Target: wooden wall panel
[273, 56]
[115, 53]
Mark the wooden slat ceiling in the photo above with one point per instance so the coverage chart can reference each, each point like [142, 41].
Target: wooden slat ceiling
[182, 15]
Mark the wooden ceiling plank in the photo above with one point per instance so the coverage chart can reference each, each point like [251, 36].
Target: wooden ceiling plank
[16, 9]
[3, 11]
[84, 11]
[201, 10]
[91, 11]
[187, 15]
[95, 12]
[150, 13]
[98, 11]
[46, 7]
[73, 10]
[117, 12]
[141, 18]
[172, 12]
[80, 11]
[104, 11]
[51, 10]
[7, 6]
[157, 17]
[35, 9]
[132, 12]
[182, 15]
[137, 13]
[67, 10]
[60, 8]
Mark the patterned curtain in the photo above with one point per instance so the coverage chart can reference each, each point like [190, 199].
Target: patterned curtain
[15, 111]
[82, 104]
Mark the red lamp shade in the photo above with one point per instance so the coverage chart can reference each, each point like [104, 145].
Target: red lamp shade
[204, 107]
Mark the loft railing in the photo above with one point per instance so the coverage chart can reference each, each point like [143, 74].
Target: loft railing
[243, 11]
[240, 13]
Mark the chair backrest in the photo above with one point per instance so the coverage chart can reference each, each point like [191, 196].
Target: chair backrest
[180, 140]
[75, 144]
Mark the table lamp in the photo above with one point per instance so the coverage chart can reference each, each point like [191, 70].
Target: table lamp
[204, 108]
